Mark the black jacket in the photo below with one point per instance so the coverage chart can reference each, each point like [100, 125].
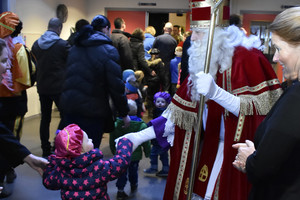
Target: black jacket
[166, 44]
[11, 151]
[51, 53]
[93, 74]
[138, 55]
[121, 42]
[273, 168]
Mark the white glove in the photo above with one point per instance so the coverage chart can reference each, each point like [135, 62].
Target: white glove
[138, 138]
[208, 88]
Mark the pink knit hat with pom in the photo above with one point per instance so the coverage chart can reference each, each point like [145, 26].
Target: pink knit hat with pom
[68, 142]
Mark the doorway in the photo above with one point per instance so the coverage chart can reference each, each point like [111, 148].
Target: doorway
[158, 20]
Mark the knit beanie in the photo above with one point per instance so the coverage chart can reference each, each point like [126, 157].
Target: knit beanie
[68, 142]
[100, 21]
[130, 86]
[127, 73]
[163, 95]
[8, 23]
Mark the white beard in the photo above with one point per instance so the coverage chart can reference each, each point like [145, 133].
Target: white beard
[224, 43]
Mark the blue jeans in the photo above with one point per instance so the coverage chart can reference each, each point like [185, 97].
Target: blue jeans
[163, 156]
[132, 172]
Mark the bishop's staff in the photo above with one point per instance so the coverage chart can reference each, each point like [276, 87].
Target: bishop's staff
[201, 105]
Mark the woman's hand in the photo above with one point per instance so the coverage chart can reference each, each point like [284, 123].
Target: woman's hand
[36, 163]
[244, 150]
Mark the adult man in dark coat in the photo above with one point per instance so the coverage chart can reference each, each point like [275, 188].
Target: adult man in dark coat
[121, 42]
[51, 53]
[166, 44]
[93, 76]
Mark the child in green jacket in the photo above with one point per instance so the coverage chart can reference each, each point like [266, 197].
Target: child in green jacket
[136, 124]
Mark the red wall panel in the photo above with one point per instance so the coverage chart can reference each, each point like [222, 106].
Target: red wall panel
[133, 19]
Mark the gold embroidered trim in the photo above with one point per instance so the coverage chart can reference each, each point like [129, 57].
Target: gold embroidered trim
[256, 88]
[217, 187]
[183, 159]
[262, 102]
[239, 128]
[182, 118]
[184, 102]
[228, 80]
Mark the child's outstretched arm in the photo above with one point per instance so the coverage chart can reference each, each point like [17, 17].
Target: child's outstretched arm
[114, 167]
[140, 137]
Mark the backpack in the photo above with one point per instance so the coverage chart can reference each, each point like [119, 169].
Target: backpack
[32, 63]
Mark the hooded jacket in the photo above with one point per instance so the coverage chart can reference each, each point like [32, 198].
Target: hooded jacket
[136, 124]
[121, 42]
[93, 74]
[86, 176]
[148, 42]
[51, 53]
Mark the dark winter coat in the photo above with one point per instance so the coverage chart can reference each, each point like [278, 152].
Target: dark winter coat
[51, 53]
[93, 74]
[86, 176]
[166, 44]
[138, 55]
[11, 150]
[273, 169]
[121, 42]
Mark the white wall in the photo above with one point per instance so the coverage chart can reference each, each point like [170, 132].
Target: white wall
[98, 7]
[35, 15]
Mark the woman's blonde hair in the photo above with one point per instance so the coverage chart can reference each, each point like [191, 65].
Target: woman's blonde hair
[287, 25]
[151, 30]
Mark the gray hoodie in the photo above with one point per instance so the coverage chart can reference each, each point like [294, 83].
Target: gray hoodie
[48, 39]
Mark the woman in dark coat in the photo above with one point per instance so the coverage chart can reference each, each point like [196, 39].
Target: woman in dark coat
[272, 162]
[93, 76]
[138, 53]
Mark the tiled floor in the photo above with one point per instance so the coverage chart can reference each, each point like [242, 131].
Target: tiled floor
[28, 185]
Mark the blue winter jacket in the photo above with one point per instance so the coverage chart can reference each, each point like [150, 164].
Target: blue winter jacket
[93, 74]
[148, 42]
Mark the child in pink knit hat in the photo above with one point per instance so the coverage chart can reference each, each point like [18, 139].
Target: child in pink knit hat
[79, 170]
